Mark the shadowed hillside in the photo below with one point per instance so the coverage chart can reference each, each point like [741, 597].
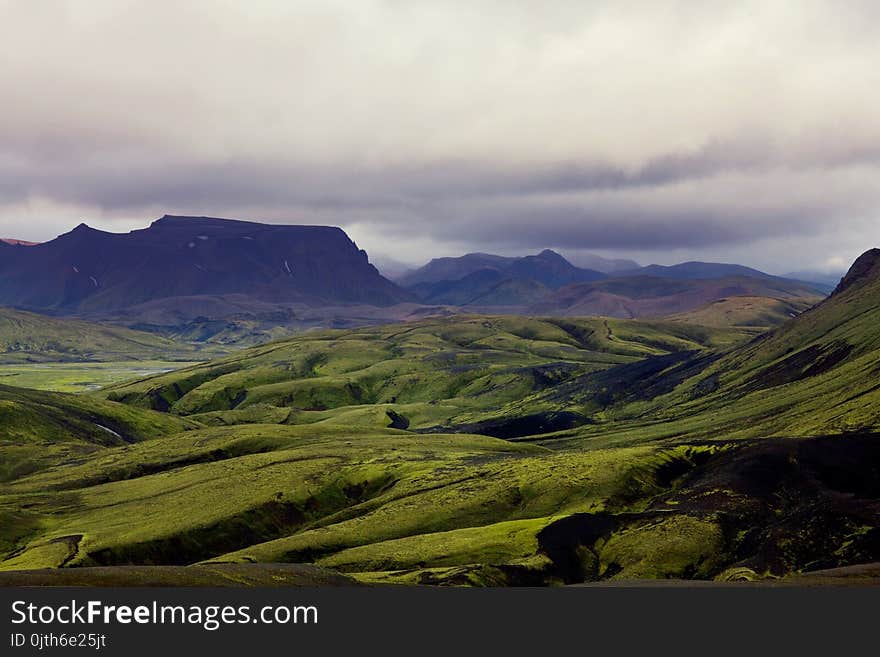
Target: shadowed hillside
[88, 270]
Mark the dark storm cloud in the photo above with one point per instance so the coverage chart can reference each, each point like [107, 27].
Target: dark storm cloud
[427, 125]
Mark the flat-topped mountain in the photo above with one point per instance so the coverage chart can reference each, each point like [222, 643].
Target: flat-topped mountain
[88, 270]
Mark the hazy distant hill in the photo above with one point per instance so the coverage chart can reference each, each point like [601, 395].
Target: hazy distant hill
[548, 284]
[27, 337]
[471, 279]
[651, 296]
[88, 270]
[695, 270]
[597, 262]
[547, 267]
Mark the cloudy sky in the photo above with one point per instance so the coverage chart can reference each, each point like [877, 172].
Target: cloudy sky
[663, 131]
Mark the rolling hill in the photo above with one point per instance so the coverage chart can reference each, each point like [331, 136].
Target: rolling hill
[695, 270]
[32, 338]
[757, 313]
[483, 451]
[648, 296]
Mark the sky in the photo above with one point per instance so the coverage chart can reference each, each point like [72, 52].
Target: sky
[662, 131]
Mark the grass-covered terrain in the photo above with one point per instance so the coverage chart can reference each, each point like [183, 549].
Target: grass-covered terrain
[29, 338]
[71, 355]
[431, 375]
[758, 314]
[471, 450]
[82, 376]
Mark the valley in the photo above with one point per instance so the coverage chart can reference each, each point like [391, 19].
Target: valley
[732, 440]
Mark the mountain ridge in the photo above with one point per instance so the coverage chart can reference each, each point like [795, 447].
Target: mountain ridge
[89, 270]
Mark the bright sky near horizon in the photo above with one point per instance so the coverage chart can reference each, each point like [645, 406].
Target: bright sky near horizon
[664, 131]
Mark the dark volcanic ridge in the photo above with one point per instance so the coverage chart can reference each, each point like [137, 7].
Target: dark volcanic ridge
[88, 270]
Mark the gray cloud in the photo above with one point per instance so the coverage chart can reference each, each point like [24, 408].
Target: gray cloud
[422, 127]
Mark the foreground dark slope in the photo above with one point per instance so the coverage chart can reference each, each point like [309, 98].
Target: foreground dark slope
[685, 455]
[90, 271]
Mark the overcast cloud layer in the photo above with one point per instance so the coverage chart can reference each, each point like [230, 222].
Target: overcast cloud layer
[662, 130]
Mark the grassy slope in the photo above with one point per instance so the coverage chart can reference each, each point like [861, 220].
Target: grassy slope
[437, 372]
[814, 375]
[82, 376]
[755, 313]
[336, 478]
[42, 428]
[27, 337]
[327, 482]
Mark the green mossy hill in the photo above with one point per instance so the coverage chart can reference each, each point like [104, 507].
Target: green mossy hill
[38, 429]
[757, 314]
[28, 337]
[632, 450]
[814, 375]
[395, 507]
[438, 373]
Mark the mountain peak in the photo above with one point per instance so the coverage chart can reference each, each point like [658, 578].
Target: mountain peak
[866, 267]
[89, 270]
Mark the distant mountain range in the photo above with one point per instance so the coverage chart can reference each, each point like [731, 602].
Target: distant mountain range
[604, 265]
[485, 279]
[89, 271]
[204, 278]
[647, 296]
[547, 284]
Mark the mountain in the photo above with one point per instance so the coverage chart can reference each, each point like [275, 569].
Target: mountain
[483, 287]
[548, 284]
[598, 263]
[88, 270]
[695, 270]
[652, 296]
[547, 267]
[707, 270]
[469, 279]
[454, 268]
